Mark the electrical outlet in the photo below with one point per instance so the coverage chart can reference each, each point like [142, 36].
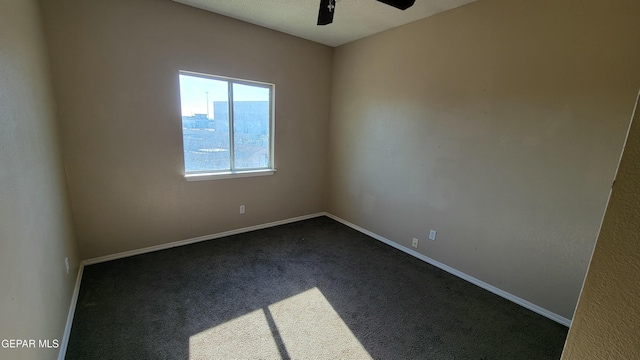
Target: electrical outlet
[241, 209]
[432, 234]
[66, 263]
[415, 243]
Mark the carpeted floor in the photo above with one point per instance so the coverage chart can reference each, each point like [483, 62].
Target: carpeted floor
[314, 289]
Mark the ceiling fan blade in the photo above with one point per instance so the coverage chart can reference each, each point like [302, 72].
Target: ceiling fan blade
[400, 4]
[327, 9]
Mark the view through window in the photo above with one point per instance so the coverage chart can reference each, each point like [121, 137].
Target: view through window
[227, 124]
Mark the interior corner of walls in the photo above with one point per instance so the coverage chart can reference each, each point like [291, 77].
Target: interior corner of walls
[73, 301]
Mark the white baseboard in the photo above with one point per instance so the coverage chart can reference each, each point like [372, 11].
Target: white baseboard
[96, 260]
[197, 239]
[522, 302]
[74, 299]
[72, 310]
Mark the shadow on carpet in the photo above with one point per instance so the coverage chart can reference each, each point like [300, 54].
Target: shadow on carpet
[313, 289]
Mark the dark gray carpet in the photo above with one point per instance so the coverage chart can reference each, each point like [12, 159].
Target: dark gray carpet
[398, 307]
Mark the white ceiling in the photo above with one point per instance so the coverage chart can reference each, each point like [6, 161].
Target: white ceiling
[353, 19]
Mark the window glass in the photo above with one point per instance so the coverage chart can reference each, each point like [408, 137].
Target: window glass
[251, 126]
[220, 138]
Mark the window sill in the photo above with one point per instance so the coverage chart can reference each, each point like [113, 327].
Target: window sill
[228, 175]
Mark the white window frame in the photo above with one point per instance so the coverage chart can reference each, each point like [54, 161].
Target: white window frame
[235, 173]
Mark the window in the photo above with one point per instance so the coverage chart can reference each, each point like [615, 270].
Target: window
[227, 126]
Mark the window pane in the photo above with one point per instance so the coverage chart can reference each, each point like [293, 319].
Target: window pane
[251, 126]
[205, 123]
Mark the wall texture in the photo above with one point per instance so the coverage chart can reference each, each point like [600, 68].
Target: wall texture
[499, 124]
[607, 321]
[35, 219]
[115, 66]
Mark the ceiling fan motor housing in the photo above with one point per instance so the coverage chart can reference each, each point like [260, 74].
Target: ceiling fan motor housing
[400, 4]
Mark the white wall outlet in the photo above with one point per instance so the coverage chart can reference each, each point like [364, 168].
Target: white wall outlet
[415, 243]
[66, 263]
[432, 234]
[241, 209]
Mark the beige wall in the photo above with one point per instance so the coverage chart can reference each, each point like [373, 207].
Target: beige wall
[35, 220]
[499, 124]
[607, 321]
[115, 67]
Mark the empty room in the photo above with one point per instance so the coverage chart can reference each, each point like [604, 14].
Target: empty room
[319, 179]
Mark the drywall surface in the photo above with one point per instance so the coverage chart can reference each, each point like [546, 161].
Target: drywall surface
[35, 220]
[607, 320]
[115, 69]
[499, 124]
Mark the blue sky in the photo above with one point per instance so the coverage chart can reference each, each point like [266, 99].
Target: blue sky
[194, 91]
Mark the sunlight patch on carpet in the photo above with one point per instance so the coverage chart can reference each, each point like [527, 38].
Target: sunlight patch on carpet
[302, 326]
[310, 327]
[247, 337]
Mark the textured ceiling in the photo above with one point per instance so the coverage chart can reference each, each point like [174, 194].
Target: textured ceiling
[353, 19]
